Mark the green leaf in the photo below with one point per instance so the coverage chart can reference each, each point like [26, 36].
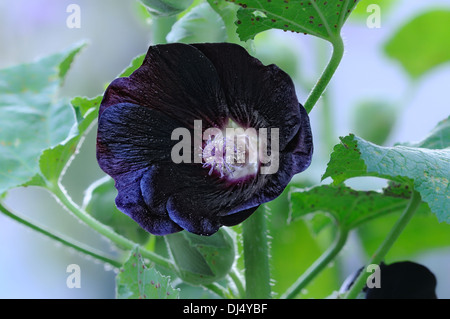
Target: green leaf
[82, 105]
[200, 259]
[166, 7]
[54, 160]
[422, 43]
[32, 117]
[67, 62]
[323, 19]
[136, 281]
[350, 208]
[426, 169]
[201, 24]
[345, 161]
[99, 202]
[135, 63]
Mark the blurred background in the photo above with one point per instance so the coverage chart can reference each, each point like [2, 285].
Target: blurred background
[371, 95]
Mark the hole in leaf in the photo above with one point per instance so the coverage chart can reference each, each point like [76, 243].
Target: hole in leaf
[258, 13]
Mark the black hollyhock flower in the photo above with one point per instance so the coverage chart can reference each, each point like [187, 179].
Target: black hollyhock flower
[400, 280]
[219, 86]
[404, 280]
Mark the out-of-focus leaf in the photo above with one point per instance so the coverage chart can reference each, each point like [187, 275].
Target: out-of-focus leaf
[32, 117]
[272, 50]
[99, 202]
[422, 43]
[201, 24]
[374, 120]
[361, 10]
[228, 12]
[323, 19]
[166, 7]
[136, 281]
[422, 234]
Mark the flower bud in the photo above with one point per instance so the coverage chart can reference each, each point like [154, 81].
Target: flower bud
[202, 259]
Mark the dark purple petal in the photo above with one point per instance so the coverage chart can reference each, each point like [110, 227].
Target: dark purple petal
[153, 191]
[132, 137]
[131, 202]
[301, 146]
[196, 201]
[192, 219]
[201, 205]
[211, 214]
[176, 79]
[274, 184]
[257, 95]
[295, 158]
[237, 218]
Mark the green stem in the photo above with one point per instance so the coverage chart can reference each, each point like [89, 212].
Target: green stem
[69, 243]
[317, 266]
[235, 276]
[61, 195]
[321, 85]
[218, 290]
[326, 113]
[256, 254]
[389, 241]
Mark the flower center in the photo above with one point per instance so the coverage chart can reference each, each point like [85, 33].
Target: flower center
[232, 152]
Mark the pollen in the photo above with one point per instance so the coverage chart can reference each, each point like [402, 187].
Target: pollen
[232, 152]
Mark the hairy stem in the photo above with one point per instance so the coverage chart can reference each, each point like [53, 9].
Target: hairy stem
[236, 277]
[61, 195]
[218, 290]
[321, 85]
[317, 267]
[388, 242]
[67, 242]
[256, 254]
